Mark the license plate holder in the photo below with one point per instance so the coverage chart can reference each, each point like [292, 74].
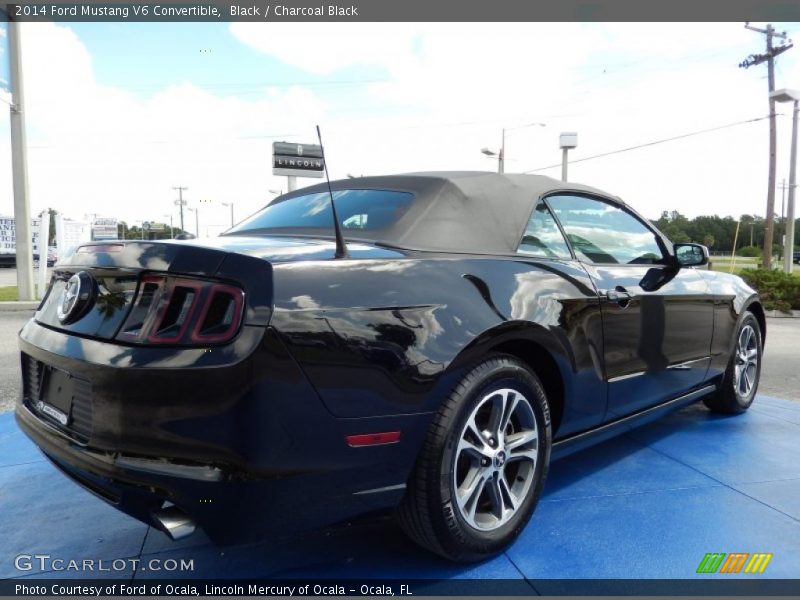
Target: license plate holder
[59, 392]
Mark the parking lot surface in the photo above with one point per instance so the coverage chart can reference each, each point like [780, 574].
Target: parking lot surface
[8, 276]
[689, 484]
[649, 504]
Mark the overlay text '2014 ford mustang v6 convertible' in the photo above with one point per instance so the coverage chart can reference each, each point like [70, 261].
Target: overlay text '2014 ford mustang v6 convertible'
[430, 354]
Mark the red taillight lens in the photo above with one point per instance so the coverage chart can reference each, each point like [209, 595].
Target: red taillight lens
[183, 311]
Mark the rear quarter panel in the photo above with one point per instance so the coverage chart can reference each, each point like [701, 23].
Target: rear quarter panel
[732, 298]
[384, 337]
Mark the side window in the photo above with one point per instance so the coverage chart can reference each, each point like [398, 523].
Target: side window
[542, 236]
[602, 233]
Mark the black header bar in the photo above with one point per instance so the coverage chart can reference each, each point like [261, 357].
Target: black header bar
[409, 10]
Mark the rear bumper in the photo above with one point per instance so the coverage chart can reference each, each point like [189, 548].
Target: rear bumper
[236, 438]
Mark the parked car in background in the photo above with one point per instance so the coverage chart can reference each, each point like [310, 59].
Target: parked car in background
[796, 258]
[431, 356]
[10, 259]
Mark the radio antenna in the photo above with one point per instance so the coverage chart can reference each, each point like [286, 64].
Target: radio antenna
[341, 247]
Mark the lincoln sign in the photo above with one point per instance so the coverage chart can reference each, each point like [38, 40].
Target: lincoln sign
[298, 160]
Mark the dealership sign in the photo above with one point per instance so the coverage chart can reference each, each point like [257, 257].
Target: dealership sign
[8, 235]
[104, 229]
[297, 160]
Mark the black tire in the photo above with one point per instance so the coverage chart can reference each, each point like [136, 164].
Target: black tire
[431, 513]
[731, 398]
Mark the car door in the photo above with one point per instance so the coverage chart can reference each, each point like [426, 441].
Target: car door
[657, 319]
[577, 323]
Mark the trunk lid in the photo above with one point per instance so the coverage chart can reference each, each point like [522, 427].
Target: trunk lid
[119, 269]
[118, 272]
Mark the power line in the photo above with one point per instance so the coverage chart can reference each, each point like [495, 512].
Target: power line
[147, 87]
[653, 143]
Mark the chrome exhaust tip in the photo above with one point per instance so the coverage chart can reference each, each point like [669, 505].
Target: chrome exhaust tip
[174, 522]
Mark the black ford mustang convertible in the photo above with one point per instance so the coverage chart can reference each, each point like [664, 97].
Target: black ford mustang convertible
[430, 354]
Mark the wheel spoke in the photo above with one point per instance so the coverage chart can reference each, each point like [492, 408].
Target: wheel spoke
[744, 339]
[496, 496]
[530, 455]
[509, 499]
[523, 438]
[467, 495]
[476, 446]
[499, 402]
[512, 400]
[750, 375]
[476, 453]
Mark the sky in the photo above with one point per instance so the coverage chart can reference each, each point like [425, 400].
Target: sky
[118, 114]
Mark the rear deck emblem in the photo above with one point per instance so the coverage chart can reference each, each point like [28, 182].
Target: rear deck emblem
[75, 298]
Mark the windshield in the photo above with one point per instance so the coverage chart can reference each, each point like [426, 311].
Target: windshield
[368, 210]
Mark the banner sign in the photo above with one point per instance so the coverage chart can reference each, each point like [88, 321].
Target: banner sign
[70, 235]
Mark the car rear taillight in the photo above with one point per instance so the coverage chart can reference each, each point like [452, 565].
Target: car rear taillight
[183, 311]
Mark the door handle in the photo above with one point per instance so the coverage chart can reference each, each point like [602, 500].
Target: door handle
[619, 295]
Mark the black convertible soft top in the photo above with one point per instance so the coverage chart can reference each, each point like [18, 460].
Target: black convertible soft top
[457, 211]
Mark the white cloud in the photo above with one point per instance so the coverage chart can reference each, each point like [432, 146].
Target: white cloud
[446, 91]
[322, 49]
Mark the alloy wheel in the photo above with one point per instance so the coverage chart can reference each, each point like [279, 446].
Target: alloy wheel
[495, 461]
[746, 367]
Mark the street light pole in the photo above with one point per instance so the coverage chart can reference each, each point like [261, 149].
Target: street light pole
[196, 221]
[501, 154]
[501, 157]
[786, 95]
[231, 205]
[566, 141]
[788, 252]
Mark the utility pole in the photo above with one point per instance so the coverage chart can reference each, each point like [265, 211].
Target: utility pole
[180, 202]
[757, 59]
[19, 169]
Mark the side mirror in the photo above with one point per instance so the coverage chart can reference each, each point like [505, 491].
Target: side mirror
[690, 255]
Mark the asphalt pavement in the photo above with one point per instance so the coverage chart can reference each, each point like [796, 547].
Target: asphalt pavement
[8, 276]
[10, 324]
[780, 376]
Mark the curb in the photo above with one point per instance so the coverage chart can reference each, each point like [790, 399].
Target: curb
[776, 314]
[10, 305]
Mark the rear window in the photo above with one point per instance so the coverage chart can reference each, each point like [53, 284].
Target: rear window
[367, 210]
